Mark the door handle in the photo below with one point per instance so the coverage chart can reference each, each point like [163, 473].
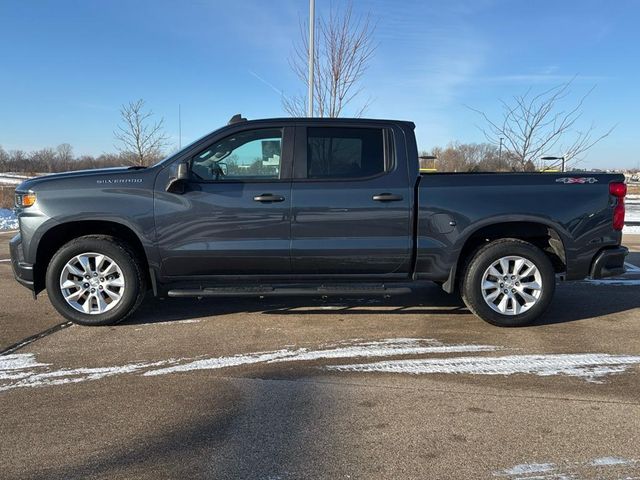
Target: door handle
[387, 197]
[268, 198]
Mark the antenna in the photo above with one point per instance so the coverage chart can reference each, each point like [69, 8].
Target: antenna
[237, 118]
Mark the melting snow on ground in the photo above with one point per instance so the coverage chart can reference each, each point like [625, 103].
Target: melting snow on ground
[23, 370]
[601, 467]
[632, 214]
[9, 178]
[8, 220]
[591, 367]
[384, 348]
[631, 277]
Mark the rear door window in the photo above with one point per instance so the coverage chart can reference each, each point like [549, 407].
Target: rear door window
[345, 153]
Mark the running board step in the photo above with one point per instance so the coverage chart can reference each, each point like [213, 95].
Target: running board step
[266, 291]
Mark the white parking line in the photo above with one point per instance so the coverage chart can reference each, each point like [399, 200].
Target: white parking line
[5, 259]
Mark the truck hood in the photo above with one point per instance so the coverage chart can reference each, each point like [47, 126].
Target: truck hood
[113, 173]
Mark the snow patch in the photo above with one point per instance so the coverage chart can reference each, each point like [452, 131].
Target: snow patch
[526, 468]
[383, 348]
[13, 366]
[23, 371]
[607, 461]
[618, 282]
[12, 178]
[568, 470]
[8, 219]
[590, 367]
[43, 377]
[33, 374]
[631, 268]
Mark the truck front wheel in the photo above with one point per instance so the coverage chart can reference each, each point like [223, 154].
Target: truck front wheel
[508, 283]
[95, 280]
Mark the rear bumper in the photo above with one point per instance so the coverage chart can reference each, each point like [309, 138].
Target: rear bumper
[22, 271]
[609, 262]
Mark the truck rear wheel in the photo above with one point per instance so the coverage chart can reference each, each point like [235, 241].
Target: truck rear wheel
[508, 283]
[95, 280]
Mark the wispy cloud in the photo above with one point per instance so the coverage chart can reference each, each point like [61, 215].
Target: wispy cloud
[539, 78]
[267, 83]
[426, 64]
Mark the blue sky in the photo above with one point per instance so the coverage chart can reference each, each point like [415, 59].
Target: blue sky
[66, 66]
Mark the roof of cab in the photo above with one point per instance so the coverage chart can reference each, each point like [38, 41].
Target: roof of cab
[237, 119]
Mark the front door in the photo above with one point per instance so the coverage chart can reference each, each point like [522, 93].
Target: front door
[233, 217]
[351, 202]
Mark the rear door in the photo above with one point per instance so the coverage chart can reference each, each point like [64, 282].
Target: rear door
[351, 201]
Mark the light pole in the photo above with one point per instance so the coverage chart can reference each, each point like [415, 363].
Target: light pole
[312, 21]
[555, 158]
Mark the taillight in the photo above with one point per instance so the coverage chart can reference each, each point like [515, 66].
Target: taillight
[618, 190]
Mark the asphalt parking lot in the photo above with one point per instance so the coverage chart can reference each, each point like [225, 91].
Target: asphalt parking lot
[406, 387]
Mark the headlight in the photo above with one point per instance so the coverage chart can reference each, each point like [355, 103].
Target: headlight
[24, 200]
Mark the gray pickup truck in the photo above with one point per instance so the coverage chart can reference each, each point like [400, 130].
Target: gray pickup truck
[290, 207]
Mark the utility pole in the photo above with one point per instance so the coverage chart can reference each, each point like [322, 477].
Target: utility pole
[500, 151]
[312, 15]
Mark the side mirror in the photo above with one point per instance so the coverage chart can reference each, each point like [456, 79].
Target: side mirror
[177, 183]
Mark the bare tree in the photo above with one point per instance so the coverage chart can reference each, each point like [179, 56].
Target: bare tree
[343, 49]
[43, 160]
[534, 125]
[64, 156]
[4, 159]
[141, 139]
[469, 157]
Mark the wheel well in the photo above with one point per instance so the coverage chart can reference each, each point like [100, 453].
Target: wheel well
[538, 234]
[57, 236]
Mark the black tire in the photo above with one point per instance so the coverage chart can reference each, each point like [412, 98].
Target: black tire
[132, 272]
[483, 258]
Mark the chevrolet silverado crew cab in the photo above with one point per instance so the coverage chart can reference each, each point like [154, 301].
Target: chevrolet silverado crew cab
[301, 206]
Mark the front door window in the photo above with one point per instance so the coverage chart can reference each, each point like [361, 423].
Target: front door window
[245, 156]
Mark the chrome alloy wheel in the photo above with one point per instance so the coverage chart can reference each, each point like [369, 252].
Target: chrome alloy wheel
[511, 285]
[92, 283]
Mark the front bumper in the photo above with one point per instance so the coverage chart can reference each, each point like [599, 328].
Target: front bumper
[609, 262]
[22, 270]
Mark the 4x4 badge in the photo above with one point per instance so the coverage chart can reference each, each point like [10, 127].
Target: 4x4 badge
[576, 180]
